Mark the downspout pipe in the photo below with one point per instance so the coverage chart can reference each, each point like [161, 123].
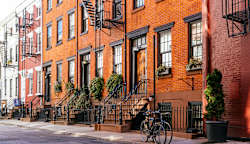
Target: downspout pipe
[125, 43]
[77, 57]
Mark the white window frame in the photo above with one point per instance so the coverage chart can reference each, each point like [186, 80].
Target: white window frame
[71, 28]
[165, 48]
[99, 63]
[117, 53]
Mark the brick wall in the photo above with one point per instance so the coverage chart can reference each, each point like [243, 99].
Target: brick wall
[156, 13]
[230, 56]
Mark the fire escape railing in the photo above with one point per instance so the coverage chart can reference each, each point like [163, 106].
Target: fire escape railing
[237, 15]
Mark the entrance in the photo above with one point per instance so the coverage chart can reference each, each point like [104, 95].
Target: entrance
[47, 84]
[85, 70]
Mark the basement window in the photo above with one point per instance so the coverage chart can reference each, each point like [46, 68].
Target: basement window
[138, 3]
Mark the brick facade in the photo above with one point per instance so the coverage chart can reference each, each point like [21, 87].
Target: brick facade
[230, 56]
[30, 53]
[169, 88]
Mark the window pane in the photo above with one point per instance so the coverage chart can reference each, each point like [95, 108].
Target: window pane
[165, 48]
[196, 40]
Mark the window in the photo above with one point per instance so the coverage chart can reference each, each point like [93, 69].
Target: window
[5, 84]
[16, 90]
[117, 9]
[138, 3]
[118, 59]
[10, 87]
[31, 84]
[139, 43]
[10, 55]
[39, 82]
[99, 63]
[59, 30]
[49, 5]
[71, 25]
[49, 33]
[59, 1]
[38, 42]
[84, 20]
[38, 12]
[16, 53]
[59, 73]
[31, 46]
[196, 40]
[165, 48]
[71, 71]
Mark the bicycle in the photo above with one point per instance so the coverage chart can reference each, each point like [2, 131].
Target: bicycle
[156, 129]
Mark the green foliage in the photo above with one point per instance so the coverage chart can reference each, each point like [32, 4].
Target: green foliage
[58, 87]
[161, 69]
[69, 87]
[214, 95]
[194, 62]
[96, 88]
[83, 101]
[113, 81]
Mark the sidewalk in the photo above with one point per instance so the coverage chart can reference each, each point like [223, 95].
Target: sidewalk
[78, 131]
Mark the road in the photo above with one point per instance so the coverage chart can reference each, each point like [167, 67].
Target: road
[16, 135]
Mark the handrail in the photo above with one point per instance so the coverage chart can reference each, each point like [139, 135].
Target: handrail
[64, 98]
[74, 97]
[111, 94]
[132, 92]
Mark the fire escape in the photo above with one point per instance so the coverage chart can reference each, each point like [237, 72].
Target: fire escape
[25, 26]
[104, 14]
[237, 15]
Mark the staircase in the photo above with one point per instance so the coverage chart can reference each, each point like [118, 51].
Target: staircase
[121, 109]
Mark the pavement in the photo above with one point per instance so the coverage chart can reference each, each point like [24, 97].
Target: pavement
[89, 132]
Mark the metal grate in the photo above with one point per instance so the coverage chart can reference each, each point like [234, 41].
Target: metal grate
[236, 13]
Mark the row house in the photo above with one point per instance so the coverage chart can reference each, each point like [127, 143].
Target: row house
[226, 38]
[9, 63]
[30, 47]
[85, 39]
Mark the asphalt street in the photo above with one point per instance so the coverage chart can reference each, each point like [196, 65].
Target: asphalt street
[16, 135]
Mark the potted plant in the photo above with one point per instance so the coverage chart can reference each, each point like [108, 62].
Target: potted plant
[113, 81]
[194, 64]
[216, 127]
[96, 88]
[58, 87]
[9, 62]
[69, 86]
[163, 70]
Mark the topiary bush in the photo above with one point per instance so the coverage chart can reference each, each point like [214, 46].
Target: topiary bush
[96, 88]
[113, 81]
[214, 95]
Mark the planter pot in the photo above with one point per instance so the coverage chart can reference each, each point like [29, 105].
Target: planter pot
[217, 131]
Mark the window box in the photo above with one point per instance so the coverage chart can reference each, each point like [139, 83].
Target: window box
[58, 87]
[194, 65]
[163, 70]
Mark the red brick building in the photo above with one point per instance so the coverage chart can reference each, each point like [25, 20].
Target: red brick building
[226, 48]
[30, 70]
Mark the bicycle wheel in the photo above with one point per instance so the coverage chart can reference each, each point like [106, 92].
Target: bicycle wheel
[169, 132]
[159, 133]
[145, 132]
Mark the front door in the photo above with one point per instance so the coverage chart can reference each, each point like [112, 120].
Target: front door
[141, 65]
[47, 85]
[85, 71]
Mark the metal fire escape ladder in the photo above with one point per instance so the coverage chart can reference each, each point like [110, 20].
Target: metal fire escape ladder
[237, 15]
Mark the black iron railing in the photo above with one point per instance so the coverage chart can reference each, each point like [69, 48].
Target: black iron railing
[237, 15]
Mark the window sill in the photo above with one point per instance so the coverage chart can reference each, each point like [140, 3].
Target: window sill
[69, 39]
[194, 72]
[157, 1]
[138, 9]
[39, 94]
[59, 43]
[48, 48]
[84, 33]
[58, 4]
[165, 76]
[29, 95]
[49, 10]
[38, 53]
